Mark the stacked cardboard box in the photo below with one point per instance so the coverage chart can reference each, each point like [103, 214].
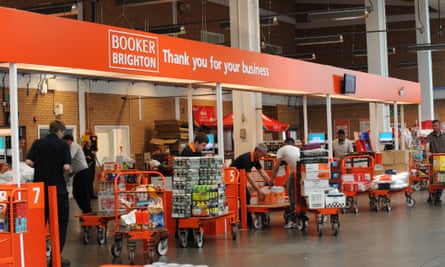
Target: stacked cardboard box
[393, 160]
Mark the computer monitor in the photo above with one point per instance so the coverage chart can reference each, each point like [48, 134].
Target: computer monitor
[385, 138]
[210, 145]
[317, 138]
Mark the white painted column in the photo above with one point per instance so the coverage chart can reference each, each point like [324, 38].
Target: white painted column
[177, 108]
[247, 106]
[424, 60]
[403, 124]
[81, 91]
[377, 64]
[14, 118]
[190, 111]
[219, 119]
[396, 127]
[329, 124]
[305, 122]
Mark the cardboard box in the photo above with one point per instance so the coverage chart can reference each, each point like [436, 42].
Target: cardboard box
[105, 203]
[387, 157]
[313, 190]
[401, 157]
[398, 167]
[315, 167]
[439, 163]
[335, 200]
[326, 174]
[319, 183]
[315, 201]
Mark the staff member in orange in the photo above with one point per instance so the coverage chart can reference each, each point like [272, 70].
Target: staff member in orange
[195, 148]
[246, 162]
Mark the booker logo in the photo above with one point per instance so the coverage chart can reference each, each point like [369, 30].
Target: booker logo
[131, 51]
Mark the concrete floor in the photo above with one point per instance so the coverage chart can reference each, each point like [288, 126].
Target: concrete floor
[409, 237]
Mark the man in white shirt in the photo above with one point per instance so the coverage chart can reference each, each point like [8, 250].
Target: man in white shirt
[289, 154]
[80, 170]
[342, 146]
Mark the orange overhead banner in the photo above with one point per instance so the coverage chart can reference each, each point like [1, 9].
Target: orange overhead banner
[31, 39]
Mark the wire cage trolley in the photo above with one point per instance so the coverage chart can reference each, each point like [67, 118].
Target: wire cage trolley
[420, 170]
[195, 224]
[357, 171]
[139, 214]
[13, 220]
[312, 182]
[437, 184]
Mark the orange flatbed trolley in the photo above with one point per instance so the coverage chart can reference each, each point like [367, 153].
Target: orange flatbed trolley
[274, 201]
[311, 184]
[196, 223]
[139, 214]
[438, 178]
[382, 188]
[98, 220]
[105, 213]
[356, 174]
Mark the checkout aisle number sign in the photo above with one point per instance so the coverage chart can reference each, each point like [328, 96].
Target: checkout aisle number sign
[34, 195]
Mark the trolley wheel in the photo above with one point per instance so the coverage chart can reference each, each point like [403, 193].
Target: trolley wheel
[131, 255]
[266, 219]
[410, 202]
[86, 235]
[258, 222]
[49, 250]
[101, 235]
[116, 249]
[320, 229]
[349, 201]
[161, 248]
[183, 235]
[335, 228]
[417, 186]
[373, 204]
[234, 231]
[199, 238]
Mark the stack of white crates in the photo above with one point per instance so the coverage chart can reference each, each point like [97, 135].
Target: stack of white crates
[315, 183]
[200, 178]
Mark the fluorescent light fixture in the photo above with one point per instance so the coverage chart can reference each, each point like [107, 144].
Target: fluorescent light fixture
[269, 21]
[264, 21]
[314, 40]
[60, 10]
[406, 65]
[427, 47]
[358, 67]
[340, 14]
[133, 3]
[363, 52]
[169, 30]
[303, 56]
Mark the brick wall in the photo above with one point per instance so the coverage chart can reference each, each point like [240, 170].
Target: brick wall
[107, 109]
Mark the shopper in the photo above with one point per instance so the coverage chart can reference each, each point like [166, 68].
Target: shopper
[50, 157]
[195, 148]
[290, 155]
[81, 175]
[342, 146]
[90, 157]
[435, 144]
[246, 162]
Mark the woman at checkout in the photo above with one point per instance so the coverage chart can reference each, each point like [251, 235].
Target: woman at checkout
[342, 146]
